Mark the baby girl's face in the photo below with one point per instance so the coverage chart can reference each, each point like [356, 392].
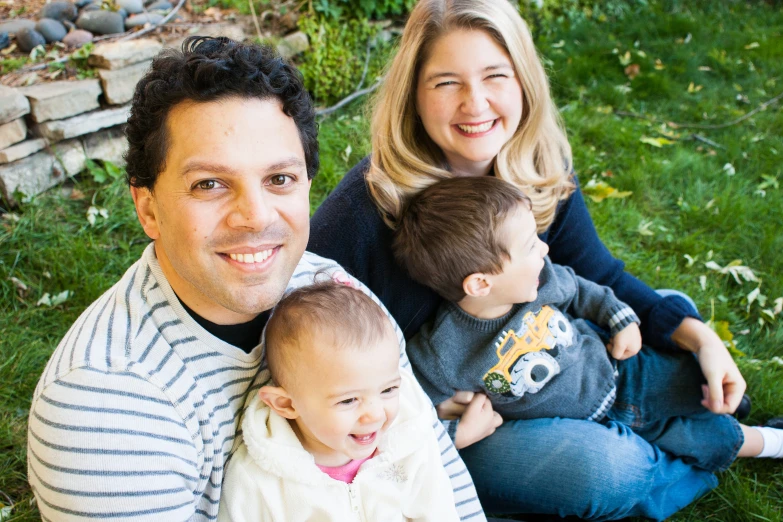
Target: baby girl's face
[347, 398]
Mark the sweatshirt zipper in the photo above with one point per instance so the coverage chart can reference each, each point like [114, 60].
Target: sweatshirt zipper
[354, 497]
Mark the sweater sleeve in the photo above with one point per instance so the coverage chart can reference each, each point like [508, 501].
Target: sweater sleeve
[82, 465]
[574, 242]
[591, 301]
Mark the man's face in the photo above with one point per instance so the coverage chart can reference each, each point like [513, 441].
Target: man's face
[230, 211]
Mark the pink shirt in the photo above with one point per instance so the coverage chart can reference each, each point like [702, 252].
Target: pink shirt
[346, 472]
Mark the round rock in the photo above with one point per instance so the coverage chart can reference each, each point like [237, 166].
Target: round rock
[131, 6]
[123, 13]
[52, 30]
[5, 40]
[82, 3]
[29, 39]
[143, 19]
[77, 38]
[91, 7]
[160, 5]
[59, 11]
[15, 26]
[100, 22]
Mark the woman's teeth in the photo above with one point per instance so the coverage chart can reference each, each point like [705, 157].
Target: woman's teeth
[258, 257]
[475, 129]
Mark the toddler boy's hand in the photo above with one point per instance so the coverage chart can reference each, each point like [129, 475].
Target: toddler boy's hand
[478, 421]
[626, 343]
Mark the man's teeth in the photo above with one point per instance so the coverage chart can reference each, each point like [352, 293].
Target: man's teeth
[258, 257]
[475, 129]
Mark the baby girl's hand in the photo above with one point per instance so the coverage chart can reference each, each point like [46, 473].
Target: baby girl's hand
[626, 343]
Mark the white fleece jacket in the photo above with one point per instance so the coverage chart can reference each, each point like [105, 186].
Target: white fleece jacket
[271, 477]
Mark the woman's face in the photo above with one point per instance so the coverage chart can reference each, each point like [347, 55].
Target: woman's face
[469, 99]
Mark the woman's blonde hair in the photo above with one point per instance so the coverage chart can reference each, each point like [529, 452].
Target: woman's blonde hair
[405, 160]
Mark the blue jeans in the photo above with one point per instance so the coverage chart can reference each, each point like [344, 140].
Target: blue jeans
[597, 471]
[659, 397]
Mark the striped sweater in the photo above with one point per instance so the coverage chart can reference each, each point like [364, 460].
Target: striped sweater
[137, 411]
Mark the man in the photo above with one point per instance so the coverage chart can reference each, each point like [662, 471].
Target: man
[136, 413]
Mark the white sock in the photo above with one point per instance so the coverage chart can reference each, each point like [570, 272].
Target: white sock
[773, 443]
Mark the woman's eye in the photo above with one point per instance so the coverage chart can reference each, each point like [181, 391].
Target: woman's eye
[444, 84]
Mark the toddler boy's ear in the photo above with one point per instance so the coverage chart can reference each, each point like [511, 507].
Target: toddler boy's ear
[278, 399]
[476, 285]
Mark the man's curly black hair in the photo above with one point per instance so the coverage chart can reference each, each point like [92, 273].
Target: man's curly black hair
[209, 69]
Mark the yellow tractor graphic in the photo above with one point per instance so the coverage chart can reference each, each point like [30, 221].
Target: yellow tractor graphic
[523, 364]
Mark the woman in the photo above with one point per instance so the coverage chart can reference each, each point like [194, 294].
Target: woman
[466, 95]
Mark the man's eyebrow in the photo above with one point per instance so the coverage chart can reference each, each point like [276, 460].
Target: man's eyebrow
[217, 168]
[287, 163]
[444, 74]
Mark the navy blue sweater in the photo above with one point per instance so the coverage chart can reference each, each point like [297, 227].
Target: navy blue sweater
[348, 228]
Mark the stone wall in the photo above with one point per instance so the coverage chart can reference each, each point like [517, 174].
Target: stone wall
[49, 131]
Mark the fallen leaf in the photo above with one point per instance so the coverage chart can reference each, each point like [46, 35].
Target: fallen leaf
[703, 283]
[558, 45]
[655, 142]
[705, 68]
[625, 59]
[600, 190]
[659, 66]
[753, 45]
[644, 228]
[632, 71]
[21, 288]
[690, 259]
[736, 269]
[76, 195]
[729, 169]
[722, 329]
[692, 88]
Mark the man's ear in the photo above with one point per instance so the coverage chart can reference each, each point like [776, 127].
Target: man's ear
[146, 210]
[477, 285]
[278, 399]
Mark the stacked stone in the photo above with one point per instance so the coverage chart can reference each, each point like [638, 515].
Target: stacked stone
[67, 126]
[121, 65]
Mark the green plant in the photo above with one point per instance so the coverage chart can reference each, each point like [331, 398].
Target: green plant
[8, 65]
[334, 64]
[376, 9]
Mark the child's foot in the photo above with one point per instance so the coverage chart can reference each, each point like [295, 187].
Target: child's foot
[772, 433]
[743, 410]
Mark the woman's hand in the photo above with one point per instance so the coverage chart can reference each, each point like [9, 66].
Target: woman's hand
[478, 421]
[725, 384]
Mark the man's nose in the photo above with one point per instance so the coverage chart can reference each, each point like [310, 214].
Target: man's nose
[252, 210]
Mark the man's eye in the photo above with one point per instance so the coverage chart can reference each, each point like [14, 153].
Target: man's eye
[207, 184]
[279, 180]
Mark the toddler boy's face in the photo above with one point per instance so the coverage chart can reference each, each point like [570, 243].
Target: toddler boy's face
[518, 283]
[346, 399]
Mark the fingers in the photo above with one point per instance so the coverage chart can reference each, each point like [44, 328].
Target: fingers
[732, 395]
[463, 397]
[497, 420]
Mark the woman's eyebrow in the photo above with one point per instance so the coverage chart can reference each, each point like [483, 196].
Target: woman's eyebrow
[493, 67]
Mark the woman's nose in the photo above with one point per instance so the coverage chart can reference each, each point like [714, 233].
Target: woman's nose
[475, 100]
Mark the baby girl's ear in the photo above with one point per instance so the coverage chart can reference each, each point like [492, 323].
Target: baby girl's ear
[278, 399]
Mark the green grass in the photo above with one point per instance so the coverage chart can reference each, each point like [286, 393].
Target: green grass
[695, 207]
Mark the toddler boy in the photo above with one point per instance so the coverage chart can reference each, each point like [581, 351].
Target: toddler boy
[341, 434]
[514, 326]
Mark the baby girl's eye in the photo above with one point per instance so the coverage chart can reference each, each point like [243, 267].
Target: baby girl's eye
[348, 401]
[390, 389]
